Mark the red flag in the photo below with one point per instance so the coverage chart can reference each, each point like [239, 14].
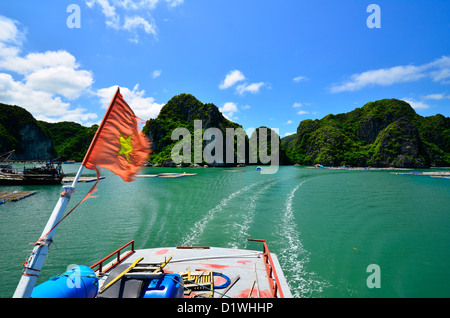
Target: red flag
[118, 145]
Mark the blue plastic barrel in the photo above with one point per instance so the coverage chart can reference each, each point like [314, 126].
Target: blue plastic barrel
[166, 286]
[78, 282]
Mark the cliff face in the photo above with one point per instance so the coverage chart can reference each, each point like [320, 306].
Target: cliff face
[71, 140]
[385, 133]
[181, 112]
[21, 132]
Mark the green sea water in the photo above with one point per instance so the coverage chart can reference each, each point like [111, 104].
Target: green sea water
[326, 226]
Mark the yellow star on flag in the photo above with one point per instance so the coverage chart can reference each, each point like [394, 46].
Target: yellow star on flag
[125, 146]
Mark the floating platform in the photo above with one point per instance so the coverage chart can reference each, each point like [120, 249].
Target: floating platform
[420, 173]
[82, 179]
[166, 175]
[9, 196]
[176, 175]
[234, 171]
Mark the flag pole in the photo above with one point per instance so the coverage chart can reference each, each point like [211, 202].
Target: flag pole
[34, 263]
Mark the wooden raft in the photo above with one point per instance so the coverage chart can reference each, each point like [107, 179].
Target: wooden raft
[8, 196]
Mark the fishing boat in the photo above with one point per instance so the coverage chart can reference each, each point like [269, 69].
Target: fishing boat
[47, 174]
[164, 272]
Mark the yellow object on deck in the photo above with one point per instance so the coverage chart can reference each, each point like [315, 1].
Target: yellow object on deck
[121, 275]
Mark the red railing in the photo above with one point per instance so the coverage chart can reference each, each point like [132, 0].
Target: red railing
[271, 272]
[99, 265]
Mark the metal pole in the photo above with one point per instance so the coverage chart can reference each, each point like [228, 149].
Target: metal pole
[33, 265]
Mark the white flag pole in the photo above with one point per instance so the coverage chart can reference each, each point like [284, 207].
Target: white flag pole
[35, 261]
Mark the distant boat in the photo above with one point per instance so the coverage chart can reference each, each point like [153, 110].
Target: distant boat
[44, 175]
[69, 162]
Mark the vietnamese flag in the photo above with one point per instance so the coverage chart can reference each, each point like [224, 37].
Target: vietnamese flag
[118, 145]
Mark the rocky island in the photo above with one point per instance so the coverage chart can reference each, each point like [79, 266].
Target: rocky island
[384, 133]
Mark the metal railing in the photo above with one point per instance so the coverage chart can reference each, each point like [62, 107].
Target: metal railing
[99, 265]
[271, 272]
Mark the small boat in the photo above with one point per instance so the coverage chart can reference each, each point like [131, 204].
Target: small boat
[43, 175]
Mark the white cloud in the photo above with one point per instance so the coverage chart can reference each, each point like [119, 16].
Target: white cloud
[441, 72]
[299, 79]
[236, 76]
[130, 15]
[303, 112]
[383, 77]
[288, 122]
[232, 78]
[416, 104]
[36, 61]
[108, 10]
[174, 3]
[438, 71]
[437, 96]
[228, 110]
[156, 73]
[229, 107]
[289, 133]
[251, 88]
[144, 107]
[9, 32]
[43, 105]
[46, 78]
[136, 22]
[297, 105]
[60, 80]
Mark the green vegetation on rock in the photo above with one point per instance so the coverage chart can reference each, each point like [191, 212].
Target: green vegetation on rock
[384, 133]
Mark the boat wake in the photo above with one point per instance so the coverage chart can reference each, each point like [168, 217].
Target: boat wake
[293, 257]
[198, 228]
[242, 228]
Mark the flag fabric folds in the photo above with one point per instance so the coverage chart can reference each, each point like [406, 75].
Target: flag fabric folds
[118, 145]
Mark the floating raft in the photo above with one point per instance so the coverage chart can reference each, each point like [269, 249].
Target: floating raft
[233, 171]
[166, 175]
[82, 179]
[15, 195]
[420, 173]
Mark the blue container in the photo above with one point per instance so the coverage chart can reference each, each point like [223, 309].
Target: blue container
[78, 282]
[167, 286]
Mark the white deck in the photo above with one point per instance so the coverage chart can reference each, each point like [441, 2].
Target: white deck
[247, 264]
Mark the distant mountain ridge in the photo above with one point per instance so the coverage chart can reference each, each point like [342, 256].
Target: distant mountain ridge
[384, 133]
[37, 140]
[181, 112]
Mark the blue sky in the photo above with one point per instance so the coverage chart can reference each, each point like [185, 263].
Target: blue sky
[262, 62]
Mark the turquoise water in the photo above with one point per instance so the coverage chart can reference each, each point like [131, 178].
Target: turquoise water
[326, 226]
